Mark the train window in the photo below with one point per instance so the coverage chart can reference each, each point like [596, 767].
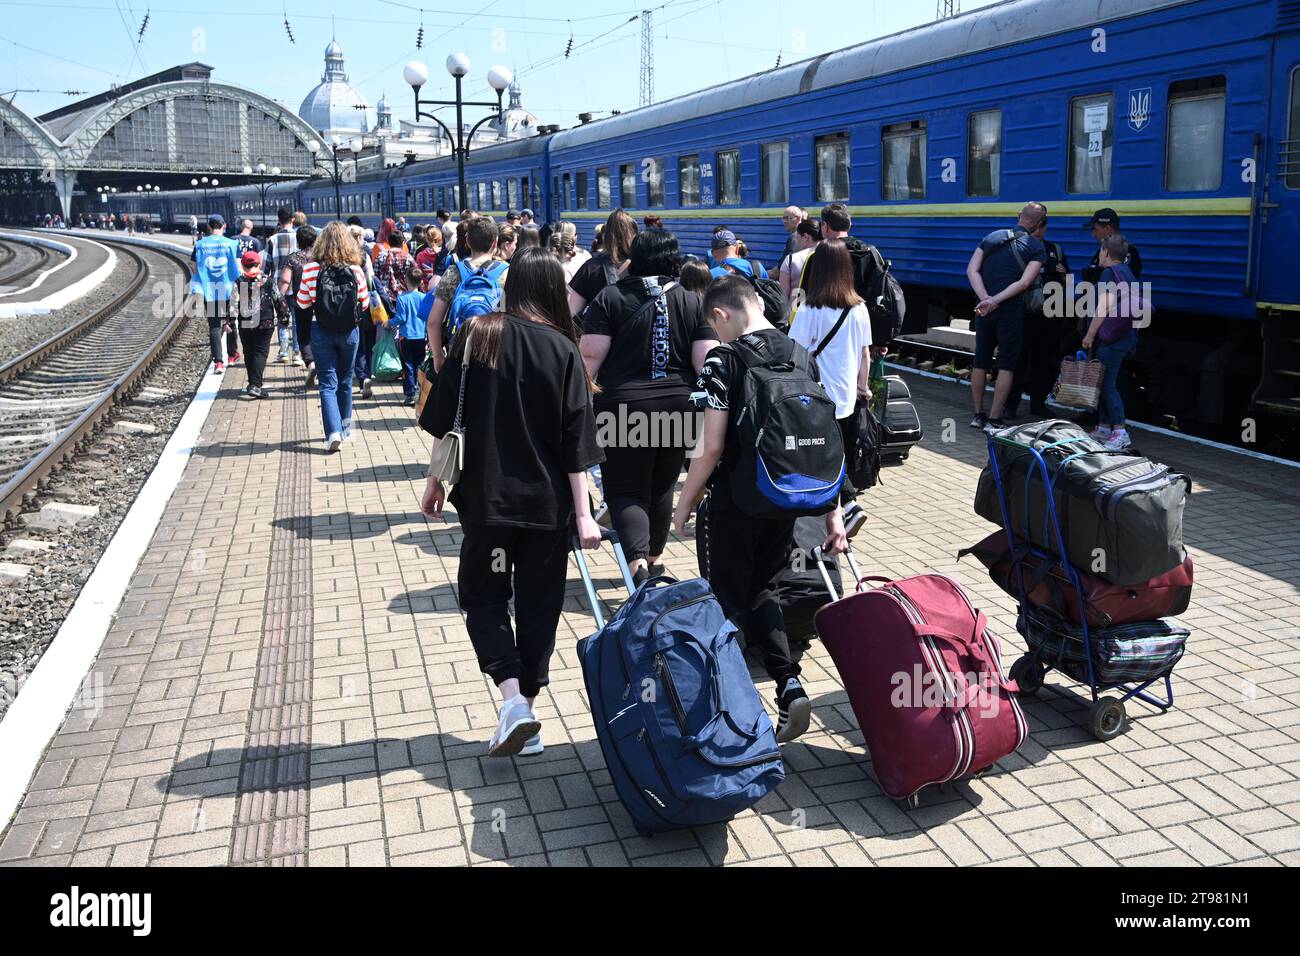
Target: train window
[984, 153]
[482, 196]
[1092, 134]
[1290, 151]
[688, 180]
[602, 188]
[728, 177]
[627, 186]
[409, 199]
[654, 181]
[566, 184]
[580, 179]
[903, 160]
[512, 193]
[496, 194]
[1194, 139]
[831, 163]
[776, 172]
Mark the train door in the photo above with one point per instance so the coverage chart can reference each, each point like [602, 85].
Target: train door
[1277, 188]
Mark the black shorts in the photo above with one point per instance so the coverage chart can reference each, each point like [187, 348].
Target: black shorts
[1005, 329]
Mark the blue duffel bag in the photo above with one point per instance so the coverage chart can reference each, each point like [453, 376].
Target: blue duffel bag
[680, 722]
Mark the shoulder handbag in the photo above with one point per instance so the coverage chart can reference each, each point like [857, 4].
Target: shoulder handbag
[449, 459]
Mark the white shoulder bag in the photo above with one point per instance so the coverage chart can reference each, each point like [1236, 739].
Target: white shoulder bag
[449, 459]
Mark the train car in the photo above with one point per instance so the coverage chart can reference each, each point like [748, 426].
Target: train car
[261, 206]
[498, 178]
[1179, 114]
[367, 196]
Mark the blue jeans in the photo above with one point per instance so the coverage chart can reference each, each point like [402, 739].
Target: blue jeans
[412, 354]
[288, 336]
[365, 345]
[334, 353]
[1110, 409]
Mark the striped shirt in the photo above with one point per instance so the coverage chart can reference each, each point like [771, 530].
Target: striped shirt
[307, 287]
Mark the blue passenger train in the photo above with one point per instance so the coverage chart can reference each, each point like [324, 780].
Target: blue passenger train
[1182, 115]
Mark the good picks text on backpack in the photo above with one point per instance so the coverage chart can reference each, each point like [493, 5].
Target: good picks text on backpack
[336, 299]
[791, 459]
[477, 293]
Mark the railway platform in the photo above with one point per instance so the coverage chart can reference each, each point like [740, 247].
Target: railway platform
[70, 266]
[288, 681]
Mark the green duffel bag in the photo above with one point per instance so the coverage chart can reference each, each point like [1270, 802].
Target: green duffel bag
[1121, 514]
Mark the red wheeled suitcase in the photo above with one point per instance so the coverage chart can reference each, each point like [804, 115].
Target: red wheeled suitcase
[924, 677]
[1107, 605]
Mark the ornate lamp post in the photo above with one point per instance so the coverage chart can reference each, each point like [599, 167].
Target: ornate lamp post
[263, 184]
[416, 75]
[334, 171]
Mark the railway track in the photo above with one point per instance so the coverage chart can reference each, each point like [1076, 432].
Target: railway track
[22, 261]
[54, 395]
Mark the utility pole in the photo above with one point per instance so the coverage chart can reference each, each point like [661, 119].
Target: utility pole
[647, 58]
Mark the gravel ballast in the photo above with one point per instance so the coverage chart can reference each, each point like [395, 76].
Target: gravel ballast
[108, 473]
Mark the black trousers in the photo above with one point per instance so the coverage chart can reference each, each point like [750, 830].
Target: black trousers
[494, 562]
[639, 481]
[257, 346]
[741, 557]
[1040, 361]
[215, 325]
[302, 319]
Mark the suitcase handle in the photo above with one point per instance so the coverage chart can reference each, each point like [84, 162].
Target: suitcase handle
[863, 579]
[817, 555]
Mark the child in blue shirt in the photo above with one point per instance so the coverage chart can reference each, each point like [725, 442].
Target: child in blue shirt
[410, 329]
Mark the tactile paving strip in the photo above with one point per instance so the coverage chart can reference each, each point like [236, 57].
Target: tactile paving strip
[274, 779]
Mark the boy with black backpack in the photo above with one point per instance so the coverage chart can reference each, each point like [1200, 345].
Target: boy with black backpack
[769, 453]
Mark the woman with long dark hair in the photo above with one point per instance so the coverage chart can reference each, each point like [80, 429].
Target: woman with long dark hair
[834, 325]
[645, 339]
[529, 437]
[607, 266]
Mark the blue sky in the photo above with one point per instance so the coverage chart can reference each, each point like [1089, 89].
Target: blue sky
[53, 45]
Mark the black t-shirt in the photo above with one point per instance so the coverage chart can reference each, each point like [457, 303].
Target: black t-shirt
[591, 276]
[1094, 270]
[528, 425]
[650, 352]
[718, 387]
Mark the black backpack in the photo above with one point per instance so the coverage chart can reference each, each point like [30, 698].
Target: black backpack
[336, 299]
[884, 296]
[776, 308]
[790, 454]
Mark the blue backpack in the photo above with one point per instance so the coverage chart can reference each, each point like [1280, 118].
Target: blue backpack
[684, 734]
[477, 293]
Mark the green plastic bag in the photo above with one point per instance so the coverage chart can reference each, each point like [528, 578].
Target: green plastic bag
[385, 364]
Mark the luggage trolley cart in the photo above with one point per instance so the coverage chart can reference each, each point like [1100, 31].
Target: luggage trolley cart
[1107, 717]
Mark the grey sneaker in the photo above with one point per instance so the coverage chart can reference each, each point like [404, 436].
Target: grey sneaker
[518, 724]
[532, 746]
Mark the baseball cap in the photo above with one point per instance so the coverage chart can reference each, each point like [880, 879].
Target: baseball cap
[369, 235]
[724, 238]
[250, 260]
[529, 213]
[216, 220]
[1103, 217]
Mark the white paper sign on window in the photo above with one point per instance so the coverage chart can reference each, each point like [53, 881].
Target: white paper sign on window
[1094, 144]
[1096, 118]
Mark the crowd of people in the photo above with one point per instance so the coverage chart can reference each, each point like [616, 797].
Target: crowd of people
[548, 373]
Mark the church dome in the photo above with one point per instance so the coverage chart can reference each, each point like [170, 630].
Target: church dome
[334, 107]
